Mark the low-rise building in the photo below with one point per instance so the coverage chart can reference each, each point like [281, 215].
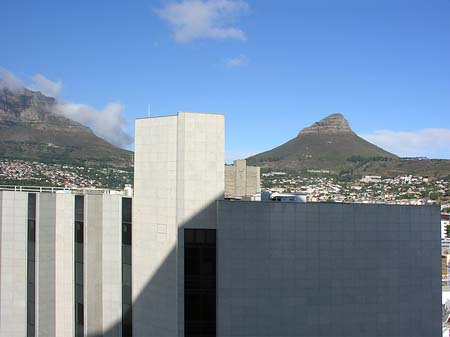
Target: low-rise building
[242, 180]
[65, 263]
[445, 224]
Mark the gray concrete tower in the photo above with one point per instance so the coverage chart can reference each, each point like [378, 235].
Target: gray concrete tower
[179, 173]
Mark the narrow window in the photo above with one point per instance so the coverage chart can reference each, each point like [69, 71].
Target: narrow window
[127, 321]
[79, 264]
[199, 282]
[31, 265]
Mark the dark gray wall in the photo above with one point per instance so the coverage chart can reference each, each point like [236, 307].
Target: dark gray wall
[328, 270]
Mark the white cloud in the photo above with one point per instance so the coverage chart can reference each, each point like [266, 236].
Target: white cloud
[46, 86]
[432, 143]
[239, 61]
[196, 19]
[9, 81]
[108, 123]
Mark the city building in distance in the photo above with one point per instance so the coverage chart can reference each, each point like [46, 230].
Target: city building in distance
[198, 265]
[241, 180]
[283, 197]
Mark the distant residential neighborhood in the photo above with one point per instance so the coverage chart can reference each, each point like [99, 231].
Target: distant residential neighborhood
[320, 186]
[317, 185]
[19, 172]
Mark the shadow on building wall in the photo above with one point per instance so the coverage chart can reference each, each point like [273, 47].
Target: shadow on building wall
[156, 321]
[326, 270]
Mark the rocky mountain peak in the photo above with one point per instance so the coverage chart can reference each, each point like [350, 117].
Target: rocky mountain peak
[32, 128]
[25, 105]
[332, 124]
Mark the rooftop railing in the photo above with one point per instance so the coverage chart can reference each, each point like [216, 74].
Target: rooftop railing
[54, 189]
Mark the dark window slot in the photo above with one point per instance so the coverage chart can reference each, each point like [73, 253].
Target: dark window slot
[127, 312]
[79, 265]
[31, 264]
[199, 282]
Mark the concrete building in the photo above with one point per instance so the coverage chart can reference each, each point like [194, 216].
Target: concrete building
[242, 180]
[179, 173]
[61, 263]
[178, 260]
[283, 197]
[445, 267]
[232, 268]
[324, 269]
[445, 223]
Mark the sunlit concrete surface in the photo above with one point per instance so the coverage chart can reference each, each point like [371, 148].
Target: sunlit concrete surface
[179, 172]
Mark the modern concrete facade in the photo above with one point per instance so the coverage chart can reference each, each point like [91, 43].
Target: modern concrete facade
[179, 173]
[111, 278]
[51, 312]
[242, 180]
[64, 260]
[103, 265]
[13, 264]
[320, 269]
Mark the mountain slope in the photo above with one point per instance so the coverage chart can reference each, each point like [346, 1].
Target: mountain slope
[327, 144]
[31, 130]
[330, 144]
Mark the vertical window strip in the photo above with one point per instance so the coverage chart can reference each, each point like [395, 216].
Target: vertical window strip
[79, 265]
[200, 282]
[31, 265]
[127, 313]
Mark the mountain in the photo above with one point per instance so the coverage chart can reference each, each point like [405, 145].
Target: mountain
[332, 145]
[30, 129]
[326, 144]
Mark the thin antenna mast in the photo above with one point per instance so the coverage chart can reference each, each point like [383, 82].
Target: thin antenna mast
[148, 110]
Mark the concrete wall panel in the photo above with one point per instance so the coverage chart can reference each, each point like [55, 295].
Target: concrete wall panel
[64, 265]
[112, 266]
[154, 228]
[179, 173]
[13, 264]
[328, 270]
[200, 182]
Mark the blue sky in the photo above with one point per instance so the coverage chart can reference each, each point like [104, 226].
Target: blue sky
[273, 67]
